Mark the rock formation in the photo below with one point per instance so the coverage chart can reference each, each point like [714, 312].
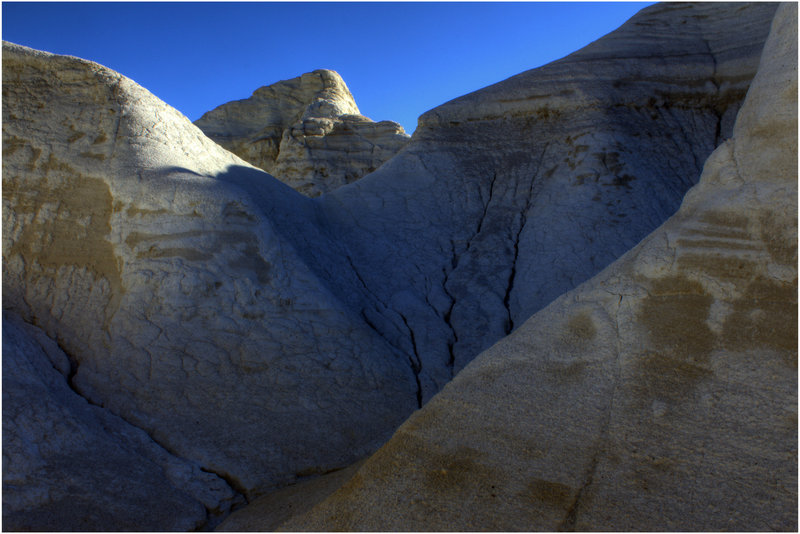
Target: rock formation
[510, 196]
[158, 262]
[307, 132]
[258, 337]
[659, 395]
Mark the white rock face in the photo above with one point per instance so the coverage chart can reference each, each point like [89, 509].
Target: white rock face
[661, 395]
[160, 262]
[306, 131]
[264, 336]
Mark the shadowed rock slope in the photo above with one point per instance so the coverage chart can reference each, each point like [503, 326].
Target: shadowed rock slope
[307, 132]
[510, 196]
[659, 395]
[60, 452]
[159, 263]
[257, 336]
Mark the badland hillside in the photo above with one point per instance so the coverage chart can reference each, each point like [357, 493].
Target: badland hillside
[568, 301]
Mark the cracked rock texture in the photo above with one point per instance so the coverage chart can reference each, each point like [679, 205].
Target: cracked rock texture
[510, 196]
[59, 452]
[266, 337]
[307, 132]
[659, 395]
[161, 265]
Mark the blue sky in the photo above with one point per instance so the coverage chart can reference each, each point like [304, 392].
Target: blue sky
[398, 59]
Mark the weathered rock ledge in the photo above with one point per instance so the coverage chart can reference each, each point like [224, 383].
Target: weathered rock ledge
[307, 132]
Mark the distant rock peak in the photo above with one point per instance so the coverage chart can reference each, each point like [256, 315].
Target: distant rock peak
[291, 130]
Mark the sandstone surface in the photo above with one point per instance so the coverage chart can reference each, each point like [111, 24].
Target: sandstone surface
[266, 337]
[659, 395]
[306, 131]
[160, 263]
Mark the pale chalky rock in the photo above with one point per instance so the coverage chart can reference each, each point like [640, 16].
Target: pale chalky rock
[64, 458]
[508, 197]
[265, 336]
[659, 395]
[169, 270]
[306, 131]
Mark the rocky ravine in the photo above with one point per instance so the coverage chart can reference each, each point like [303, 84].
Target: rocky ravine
[307, 132]
[659, 395]
[244, 336]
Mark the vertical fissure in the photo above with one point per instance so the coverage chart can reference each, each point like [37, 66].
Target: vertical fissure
[571, 518]
[515, 238]
[451, 361]
[360, 279]
[484, 213]
[454, 261]
[512, 276]
[416, 361]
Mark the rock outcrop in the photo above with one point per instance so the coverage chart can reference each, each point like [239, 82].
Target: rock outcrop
[306, 131]
[659, 395]
[262, 336]
[159, 263]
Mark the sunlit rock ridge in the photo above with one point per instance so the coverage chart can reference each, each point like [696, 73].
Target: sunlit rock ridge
[183, 332]
[306, 131]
